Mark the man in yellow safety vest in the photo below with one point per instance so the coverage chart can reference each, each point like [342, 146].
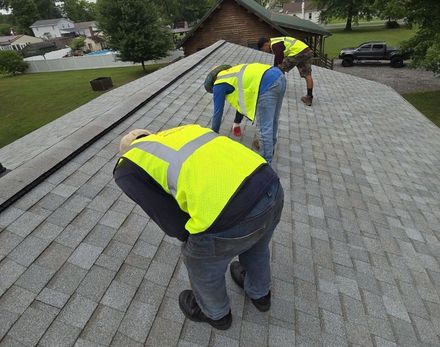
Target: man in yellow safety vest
[290, 52]
[255, 91]
[218, 197]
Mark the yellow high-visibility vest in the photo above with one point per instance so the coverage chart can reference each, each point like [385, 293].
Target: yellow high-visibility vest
[246, 80]
[199, 168]
[292, 46]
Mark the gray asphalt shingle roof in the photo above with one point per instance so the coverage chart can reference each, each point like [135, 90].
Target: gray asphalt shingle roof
[45, 22]
[6, 40]
[355, 259]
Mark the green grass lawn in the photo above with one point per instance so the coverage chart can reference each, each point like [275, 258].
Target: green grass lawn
[342, 39]
[427, 103]
[30, 101]
[341, 21]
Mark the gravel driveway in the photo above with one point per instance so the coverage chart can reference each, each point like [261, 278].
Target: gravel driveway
[403, 80]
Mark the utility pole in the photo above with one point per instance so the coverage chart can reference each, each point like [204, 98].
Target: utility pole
[302, 10]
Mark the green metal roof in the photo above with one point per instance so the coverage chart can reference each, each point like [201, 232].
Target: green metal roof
[297, 23]
[282, 20]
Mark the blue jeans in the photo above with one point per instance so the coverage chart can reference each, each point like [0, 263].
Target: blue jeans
[207, 256]
[268, 115]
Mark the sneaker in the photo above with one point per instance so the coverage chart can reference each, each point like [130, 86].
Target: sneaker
[236, 131]
[192, 311]
[238, 273]
[307, 100]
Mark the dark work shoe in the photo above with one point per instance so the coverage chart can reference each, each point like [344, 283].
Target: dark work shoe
[192, 311]
[262, 304]
[307, 100]
[238, 274]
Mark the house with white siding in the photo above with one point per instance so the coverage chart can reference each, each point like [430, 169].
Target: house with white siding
[50, 28]
[303, 9]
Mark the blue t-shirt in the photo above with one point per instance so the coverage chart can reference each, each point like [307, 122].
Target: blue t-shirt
[220, 91]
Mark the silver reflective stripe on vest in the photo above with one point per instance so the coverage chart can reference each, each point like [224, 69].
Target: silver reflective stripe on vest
[291, 41]
[240, 79]
[173, 157]
[288, 40]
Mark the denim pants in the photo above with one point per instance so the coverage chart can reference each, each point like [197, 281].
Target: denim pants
[268, 115]
[207, 256]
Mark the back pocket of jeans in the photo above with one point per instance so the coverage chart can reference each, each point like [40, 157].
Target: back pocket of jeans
[237, 245]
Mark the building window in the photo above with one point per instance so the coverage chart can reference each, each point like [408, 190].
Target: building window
[310, 15]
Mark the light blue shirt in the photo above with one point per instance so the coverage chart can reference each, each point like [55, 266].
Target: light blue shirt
[220, 91]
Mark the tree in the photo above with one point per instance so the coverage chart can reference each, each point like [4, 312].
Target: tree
[5, 29]
[4, 4]
[47, 9]
[192, 10]
[392, 10]
[272, 3]
[184, 10]
[134, 29]
[79, 10]
[24, 13]
[352, 10]
[6, 18]
[11, 62]
[424, 47]
[77, 43]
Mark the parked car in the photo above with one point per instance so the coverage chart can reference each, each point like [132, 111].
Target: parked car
[376, 50]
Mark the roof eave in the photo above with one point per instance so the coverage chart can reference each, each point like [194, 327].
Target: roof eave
[324, 33]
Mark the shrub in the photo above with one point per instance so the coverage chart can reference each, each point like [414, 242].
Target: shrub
[392, 24]
[12, 62]
[5, 29]
[77, 43]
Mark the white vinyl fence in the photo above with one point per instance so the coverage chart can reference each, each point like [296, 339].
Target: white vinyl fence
[90, 62]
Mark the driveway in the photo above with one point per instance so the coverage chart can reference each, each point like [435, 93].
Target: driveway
[403, 80]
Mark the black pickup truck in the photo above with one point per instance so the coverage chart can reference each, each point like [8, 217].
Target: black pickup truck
[376, 50]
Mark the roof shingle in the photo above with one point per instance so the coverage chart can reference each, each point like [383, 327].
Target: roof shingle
[356, 253]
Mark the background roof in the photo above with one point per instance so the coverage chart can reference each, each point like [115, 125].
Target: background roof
[285, 20]
[47, 22]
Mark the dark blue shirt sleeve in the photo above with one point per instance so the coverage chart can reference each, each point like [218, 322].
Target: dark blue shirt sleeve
[219, 93]
[150, 196]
